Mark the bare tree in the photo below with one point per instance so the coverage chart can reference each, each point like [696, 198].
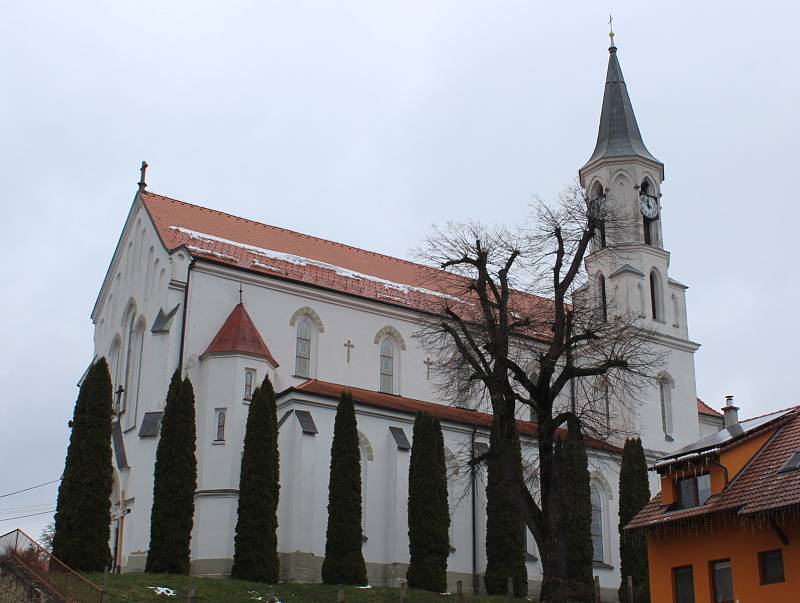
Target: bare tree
[519, 327]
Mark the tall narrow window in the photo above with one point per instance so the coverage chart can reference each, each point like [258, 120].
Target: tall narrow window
[603, 301]
[249, 377]
[366, 455]
[220, 425]
[649, 205]
[597, 524]
[683, 584]
[302, 364]
[387, 366]
[129, 358]
[665, 395]
[655, 296]
[722, 580]
[597, 202]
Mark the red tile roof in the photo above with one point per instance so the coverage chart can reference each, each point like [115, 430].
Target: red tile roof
[238, 334]
[285, 254]
[409, 405]
[758, 488]
[705, 409]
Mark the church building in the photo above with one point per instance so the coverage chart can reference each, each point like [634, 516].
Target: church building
[229, 301]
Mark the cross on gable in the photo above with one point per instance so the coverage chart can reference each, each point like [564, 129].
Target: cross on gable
[428, 363]
[349, 347]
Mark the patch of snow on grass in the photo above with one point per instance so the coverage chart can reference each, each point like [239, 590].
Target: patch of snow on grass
[163, 591]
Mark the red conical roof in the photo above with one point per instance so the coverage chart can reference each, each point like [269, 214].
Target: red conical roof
[239, 335]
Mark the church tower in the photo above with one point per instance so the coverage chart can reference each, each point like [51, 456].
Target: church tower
[628, 266]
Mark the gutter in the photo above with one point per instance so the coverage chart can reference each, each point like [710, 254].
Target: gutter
[183, 318]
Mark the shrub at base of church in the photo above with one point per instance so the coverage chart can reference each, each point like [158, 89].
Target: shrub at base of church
[344, 562]
[174, 484]
[256, 543]
[573, 497]
[505, 530]
[83, 510]
[428, 511]
[634, 493]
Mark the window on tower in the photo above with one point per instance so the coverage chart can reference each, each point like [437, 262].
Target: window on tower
[596, 202]
[649, 204]
[603, 300]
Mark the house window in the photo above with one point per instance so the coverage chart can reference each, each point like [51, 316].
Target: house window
[249, 378]
[683, 584]
[597, 525]
[302, 362]
[387, 366]
[220, 425]
[722, 581]
[770, 565]
[694, 491]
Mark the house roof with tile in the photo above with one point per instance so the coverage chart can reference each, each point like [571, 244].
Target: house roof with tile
[238, 335]
[705, 409]
[288, 255]
[764, 485]
[443, 412]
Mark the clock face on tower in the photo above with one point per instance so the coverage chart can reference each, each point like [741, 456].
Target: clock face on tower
[648, 205]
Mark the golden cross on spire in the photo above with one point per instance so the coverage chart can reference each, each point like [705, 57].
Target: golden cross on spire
[611, 28]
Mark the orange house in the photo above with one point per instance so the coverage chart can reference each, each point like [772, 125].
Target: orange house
[726, 526]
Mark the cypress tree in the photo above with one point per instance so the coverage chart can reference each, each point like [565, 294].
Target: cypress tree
[505, 530]
[344, 562]
[634, 493]
[83, 510]
[174, 484]
[428, 511]
[573, 491]
[256, 543]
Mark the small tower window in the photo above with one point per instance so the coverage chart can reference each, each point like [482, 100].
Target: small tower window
[655, 296]
[665, 385]
[649, 204]
[387, 366]
[597, 205]
[249, 377]
[603, 301]
[220, 425]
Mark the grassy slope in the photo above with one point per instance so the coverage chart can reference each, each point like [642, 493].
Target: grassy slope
[129, 588]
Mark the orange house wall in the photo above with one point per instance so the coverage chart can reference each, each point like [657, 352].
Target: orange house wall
[735, 458]
[740, 544]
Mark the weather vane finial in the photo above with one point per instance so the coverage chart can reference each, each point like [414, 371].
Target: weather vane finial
[240, 293]
[143, 170]
[611, 29]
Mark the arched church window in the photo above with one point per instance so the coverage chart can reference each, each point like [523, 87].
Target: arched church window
[655, 296]
[302, 363]
[603, 299]
[597, 524]
[220, 426]
[387, 366]
[366, 455]
[133, 364]
[114, 358]
[665, 385]
[597, 204]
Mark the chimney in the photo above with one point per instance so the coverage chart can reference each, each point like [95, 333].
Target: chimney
[730, 413]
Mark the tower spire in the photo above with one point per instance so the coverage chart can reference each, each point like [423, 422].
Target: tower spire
[618, 134]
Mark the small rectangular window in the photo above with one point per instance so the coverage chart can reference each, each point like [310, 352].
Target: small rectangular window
[770, 564]
[694, 491]
[793, 464]
[683, 584]
[722, 581]
[219, 425]
[249, 380]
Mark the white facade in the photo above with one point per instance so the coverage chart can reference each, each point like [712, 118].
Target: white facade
[347, 335]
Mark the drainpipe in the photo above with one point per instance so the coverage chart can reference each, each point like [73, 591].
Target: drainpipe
[183, 319]
[475, 582]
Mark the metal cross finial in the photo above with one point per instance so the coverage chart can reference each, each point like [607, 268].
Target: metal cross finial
[611, 28]
[428, 363]
[349, 347]
[240, 293]
[143, 170]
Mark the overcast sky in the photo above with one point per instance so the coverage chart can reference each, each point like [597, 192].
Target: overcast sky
[366, 122]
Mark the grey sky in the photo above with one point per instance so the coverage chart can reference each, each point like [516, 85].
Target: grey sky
[364, 122]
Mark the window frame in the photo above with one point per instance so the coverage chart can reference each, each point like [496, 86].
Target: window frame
[675, 572]
[665, 386]
[598, 510]
[694, 480]
[220, 412]
[304, 323]
[248, 387]
[712, 566]
[761, 556]
[387, 343]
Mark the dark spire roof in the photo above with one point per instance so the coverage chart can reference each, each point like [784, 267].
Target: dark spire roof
[239, 335]
[618, 135]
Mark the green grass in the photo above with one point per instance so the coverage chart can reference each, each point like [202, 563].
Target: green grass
[130, 588]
